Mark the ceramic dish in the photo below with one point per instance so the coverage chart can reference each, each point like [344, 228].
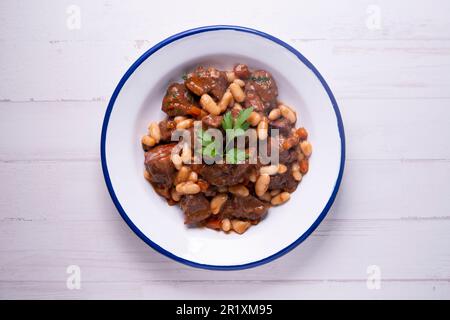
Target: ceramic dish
[137, 100]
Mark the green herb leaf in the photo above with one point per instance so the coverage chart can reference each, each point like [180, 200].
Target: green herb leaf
[227, 121]
[245, 126]
[235, 156]
[260, 79]
[242, 117]
[209, 150]
[238, 132]
[204, 138]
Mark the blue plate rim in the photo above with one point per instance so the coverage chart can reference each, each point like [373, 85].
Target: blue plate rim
[109, 109]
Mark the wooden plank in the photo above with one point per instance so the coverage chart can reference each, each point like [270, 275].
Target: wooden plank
[353, 69]
[225, 290]
[392, 210]
[401, 19]
[107, 251]
[50, 130]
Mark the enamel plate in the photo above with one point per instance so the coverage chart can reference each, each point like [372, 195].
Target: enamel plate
[137, 100]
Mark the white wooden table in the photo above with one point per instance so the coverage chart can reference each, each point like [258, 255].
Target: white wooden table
[388, 63]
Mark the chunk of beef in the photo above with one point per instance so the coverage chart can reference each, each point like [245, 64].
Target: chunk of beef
[249, 207]
[159, 165]
[179, 102]
[241, 71]
[283, 181]
[252, 99]
[211, 191]
[196, 208]
[207, 80]
[224, 174]
[167, 127]
[262, 84]
[283, 125]
[212, 121]
[163, 191]
[288, 156]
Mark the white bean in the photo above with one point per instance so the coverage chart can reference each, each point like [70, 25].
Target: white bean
[193, 176]
[148, 141]
[240, 226]
[230, 76]
[217, 202]
[262, 184]
[186, 154]
[282, 168]
[280, 198]
[209, 104]
[288, 113]
[225, 101]
[154, 131]
[226, 225]
[239, 190]
[176, 196]
[263, 128]
[266, 196]
[254, 118]
[182, 175]
[185, 124]
[147, 175]
[269, 170]
[187, 188]
[239, 82]
[297, 175]
[306, 148]
[274, 114]
[237, 92]
[178, 119]
[177, 161]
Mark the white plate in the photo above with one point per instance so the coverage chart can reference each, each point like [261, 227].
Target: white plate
[137, 100]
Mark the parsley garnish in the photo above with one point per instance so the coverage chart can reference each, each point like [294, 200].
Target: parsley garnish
[207, 143]
[239, 124]
[235, 155]
[260, 79]
[235, 129]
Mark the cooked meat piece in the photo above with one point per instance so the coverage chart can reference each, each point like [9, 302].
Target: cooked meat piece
[159, 165]
[283, 125]
[286, 149]
[283, 181]
[241, 71]
[167, 127]
[289, 142]
[288, 156]
[262, 84]
[163, 191]
[211, 191]
[253, 100]
[179, 102]
[212, 121]
[213, 223]
[208, 80]
[224, 174]
[196, 208]
[249, 207]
